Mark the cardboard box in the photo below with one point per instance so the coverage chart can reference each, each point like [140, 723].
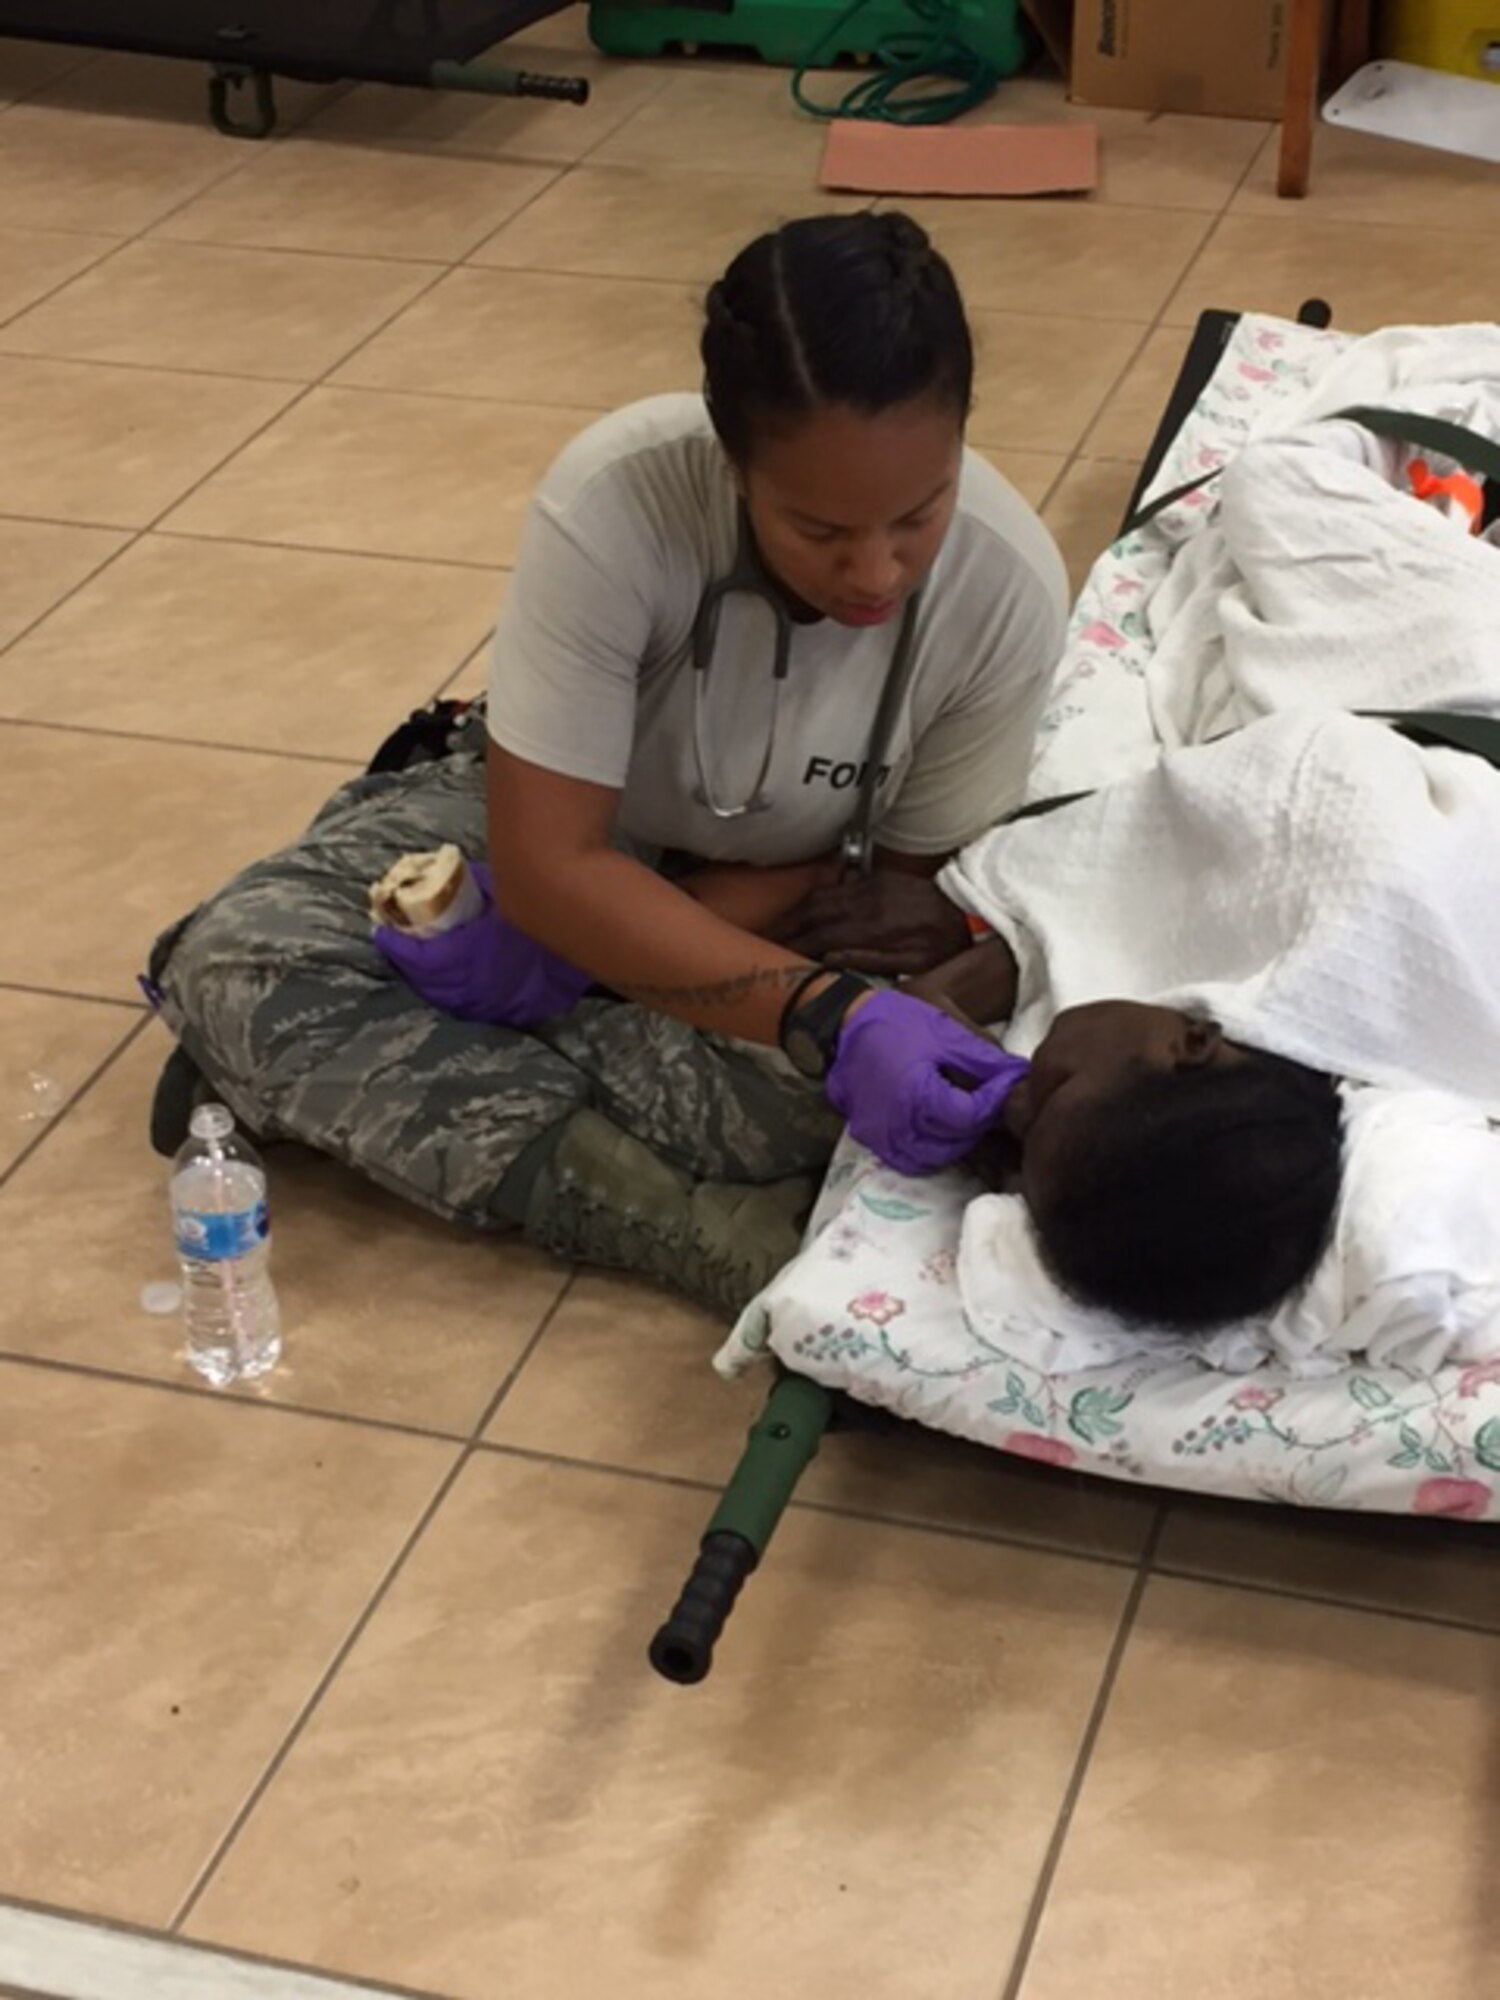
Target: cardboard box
[1226, 58]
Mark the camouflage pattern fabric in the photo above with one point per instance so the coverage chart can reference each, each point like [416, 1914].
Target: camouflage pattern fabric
[277, 992]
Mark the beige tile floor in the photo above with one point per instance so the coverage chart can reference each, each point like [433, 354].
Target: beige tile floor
[350, 1672]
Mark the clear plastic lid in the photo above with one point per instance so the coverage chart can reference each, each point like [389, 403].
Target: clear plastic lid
[213, 1122]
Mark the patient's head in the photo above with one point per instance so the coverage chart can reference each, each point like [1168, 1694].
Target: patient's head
[1174, 1178]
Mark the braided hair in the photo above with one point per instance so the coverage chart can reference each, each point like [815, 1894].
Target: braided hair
[1192, 1198]
[853, 310]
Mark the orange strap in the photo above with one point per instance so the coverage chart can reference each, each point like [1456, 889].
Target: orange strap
[1457, 486]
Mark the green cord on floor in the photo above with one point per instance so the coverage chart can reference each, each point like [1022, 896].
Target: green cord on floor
[935, 47]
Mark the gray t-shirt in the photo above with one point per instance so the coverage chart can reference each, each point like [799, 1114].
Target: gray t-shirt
[592, 674]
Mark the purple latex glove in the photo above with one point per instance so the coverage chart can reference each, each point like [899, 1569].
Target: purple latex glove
[486, 970]
[891, 1081]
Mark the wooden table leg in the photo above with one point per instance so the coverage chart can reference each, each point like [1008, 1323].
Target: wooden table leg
[1353, 34]
[1304, 49]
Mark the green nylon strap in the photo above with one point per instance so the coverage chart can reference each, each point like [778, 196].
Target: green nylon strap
[1441, 729]
[1468, 448]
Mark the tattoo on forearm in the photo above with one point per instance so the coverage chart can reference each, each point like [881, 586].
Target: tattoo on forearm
[722, 992]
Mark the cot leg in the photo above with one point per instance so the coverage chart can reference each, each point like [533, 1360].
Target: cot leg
[490, 81]
[228, 86]
[782, 1444]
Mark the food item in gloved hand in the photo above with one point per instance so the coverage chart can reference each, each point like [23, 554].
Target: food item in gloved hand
[423, 895]
[484, 969]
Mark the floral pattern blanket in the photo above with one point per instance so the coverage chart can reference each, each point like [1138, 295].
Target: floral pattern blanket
[872, 1305]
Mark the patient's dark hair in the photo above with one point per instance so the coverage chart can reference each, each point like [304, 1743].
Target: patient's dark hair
[1190, 1198]
[858, 310]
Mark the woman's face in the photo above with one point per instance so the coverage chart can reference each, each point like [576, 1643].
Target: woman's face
[849, 511]
[1085, 1054]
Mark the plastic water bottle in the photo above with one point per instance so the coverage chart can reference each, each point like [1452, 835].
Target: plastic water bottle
[223, 1231]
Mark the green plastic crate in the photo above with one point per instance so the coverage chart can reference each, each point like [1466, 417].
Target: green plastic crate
[786, 31]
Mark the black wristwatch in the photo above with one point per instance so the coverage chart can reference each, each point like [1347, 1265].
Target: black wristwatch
[809, 1032]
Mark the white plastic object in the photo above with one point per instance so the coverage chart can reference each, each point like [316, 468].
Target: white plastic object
[1421, 107]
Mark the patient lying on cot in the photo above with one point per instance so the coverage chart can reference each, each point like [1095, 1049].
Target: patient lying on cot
[1174, 1178]
[1196, 959]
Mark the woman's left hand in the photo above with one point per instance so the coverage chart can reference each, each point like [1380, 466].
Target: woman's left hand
[889, 923]
[485, 970]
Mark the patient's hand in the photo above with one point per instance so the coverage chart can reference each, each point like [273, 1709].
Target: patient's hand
[756, 899]
[891, 922]
[977, 986]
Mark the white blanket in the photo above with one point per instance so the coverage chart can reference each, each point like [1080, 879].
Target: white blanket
[1320, 580]
[1411, 1279]
[1326, 890]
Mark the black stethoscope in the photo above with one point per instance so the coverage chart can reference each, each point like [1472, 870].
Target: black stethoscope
[749, 578]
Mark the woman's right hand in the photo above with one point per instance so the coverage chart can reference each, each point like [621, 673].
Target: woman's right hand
[914, 1086]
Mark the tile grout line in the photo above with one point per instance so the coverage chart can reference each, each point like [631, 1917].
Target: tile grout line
[313, 548]
[396, 259]
[247, 541]
[330, 548]
[351, 1639]
[67, 993]
[227, 1398]
[110, 247]
[94, 1076]
[1175, 1574]
[513, 1373]
[128, 366]
[1030, 1928]
[353, 761]
[309, 1708]
[909, 1523]
[951, 1531]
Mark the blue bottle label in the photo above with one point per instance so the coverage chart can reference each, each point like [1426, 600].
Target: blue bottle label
[220, 1239]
